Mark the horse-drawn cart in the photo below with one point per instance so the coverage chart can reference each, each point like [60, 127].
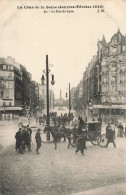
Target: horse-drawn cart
[92, 133]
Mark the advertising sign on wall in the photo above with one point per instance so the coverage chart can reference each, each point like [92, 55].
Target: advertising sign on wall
[7, 75]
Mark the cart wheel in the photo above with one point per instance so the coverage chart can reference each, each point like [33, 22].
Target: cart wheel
[103, 140]
[73, 142]
[95, 140]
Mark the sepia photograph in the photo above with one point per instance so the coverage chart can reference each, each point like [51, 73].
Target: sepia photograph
[62, 97]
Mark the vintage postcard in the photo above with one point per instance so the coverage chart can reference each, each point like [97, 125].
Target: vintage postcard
[62, 97]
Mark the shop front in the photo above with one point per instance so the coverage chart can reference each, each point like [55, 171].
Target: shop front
[9, 112]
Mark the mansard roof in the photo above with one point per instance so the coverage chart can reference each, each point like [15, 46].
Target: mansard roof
[120, 38]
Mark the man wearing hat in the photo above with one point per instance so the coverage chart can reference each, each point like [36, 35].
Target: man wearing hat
[110, 133]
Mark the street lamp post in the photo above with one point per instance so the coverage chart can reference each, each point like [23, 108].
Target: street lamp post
[69, 100]
[47, 94]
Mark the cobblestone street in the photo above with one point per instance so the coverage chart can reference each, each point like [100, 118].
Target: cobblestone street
[61, 171]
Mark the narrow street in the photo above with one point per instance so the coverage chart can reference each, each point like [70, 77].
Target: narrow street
[60, 171]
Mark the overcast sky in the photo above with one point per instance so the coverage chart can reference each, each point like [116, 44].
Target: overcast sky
[70, 40]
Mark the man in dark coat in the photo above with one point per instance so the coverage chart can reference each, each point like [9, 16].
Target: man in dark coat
[28, 139]
[56, 135]
[18, 139]
[81, 144]
[110, 133]
[38, 140]
[68, 136]
[29, 130]
[23, 140]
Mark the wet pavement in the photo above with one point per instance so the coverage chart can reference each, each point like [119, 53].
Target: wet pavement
[61, 171]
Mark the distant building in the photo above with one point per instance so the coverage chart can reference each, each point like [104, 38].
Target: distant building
[42, 96]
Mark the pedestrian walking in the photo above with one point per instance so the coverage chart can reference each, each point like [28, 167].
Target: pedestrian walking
[56, 134]
[63, 131]
[36, 119]
[110, 133]
[56, 138]
[120, 130]
[68, 136]
[81, 144]
[29, 119]
[28, 139]
[38, 140]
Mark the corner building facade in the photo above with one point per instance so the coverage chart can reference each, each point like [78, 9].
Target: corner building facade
[104, 80]
[112, 75]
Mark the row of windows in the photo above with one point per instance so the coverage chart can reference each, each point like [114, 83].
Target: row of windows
[7, 84]
[5, 104]
[6, 67]
[113, 50]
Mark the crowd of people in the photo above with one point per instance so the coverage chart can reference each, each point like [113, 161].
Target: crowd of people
[59, 130]
[54, 118]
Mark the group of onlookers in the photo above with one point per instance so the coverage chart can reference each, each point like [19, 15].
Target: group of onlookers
[23, 139]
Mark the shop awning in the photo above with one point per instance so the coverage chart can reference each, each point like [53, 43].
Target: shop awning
[11, 108]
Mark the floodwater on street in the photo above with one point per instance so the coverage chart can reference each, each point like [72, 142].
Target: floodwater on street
[57, 172]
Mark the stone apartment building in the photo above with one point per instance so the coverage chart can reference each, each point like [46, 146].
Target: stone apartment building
[8, 76]
[104, 81]
[112, 75]
[17, 90]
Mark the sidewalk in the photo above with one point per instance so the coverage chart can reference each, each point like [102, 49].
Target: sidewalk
[115, 189]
